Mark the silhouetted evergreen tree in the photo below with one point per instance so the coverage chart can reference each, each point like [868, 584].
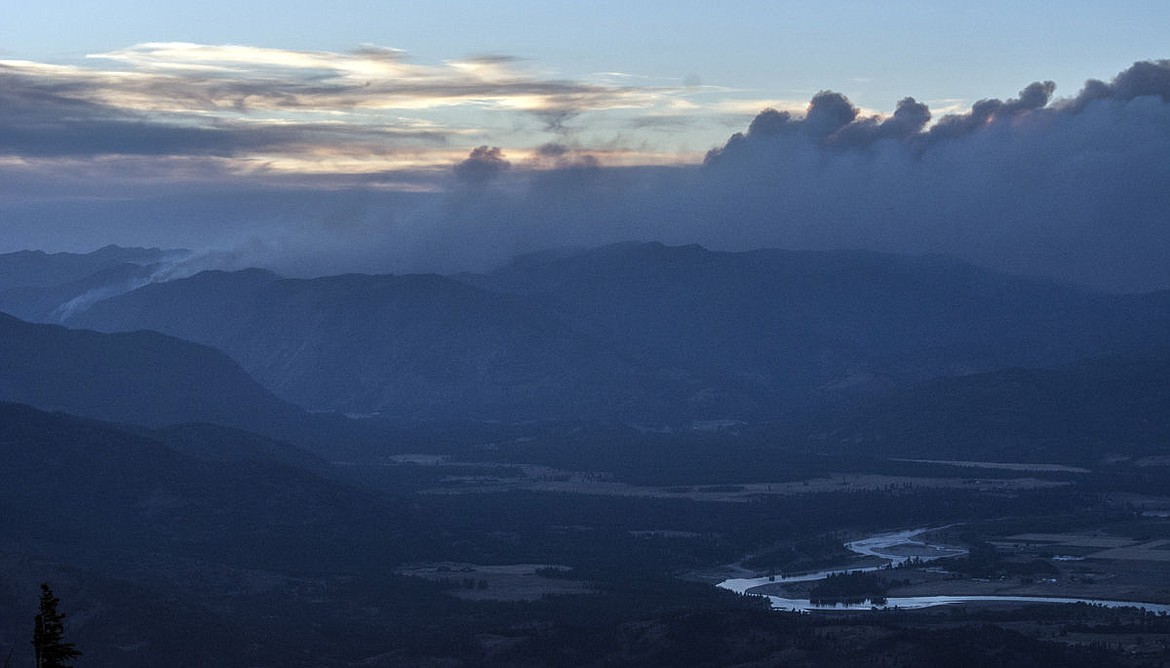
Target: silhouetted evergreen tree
[49, 634]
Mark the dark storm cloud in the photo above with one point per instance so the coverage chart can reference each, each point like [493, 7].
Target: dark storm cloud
[908, 119]
[553, 150]
[1035, 96]
[484, 164]
[1148, 78]
[828, 112]
[1077, 188]
[832, 120]
[770, 122]
[1073, 189]
[1143, 79]
[563, 158]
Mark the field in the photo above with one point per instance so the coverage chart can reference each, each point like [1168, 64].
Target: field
[508, 582]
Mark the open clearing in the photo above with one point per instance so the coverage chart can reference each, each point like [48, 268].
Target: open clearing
[1006, 466]
[1078, 540]
[507, 582]
[541, 479]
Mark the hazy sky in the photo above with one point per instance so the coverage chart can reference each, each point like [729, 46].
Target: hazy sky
[344, 135]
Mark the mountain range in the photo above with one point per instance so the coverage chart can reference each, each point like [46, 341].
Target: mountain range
[638, 332]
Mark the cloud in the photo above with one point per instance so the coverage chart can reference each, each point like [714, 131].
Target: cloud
[562, 157]
[370, 110]
[1073, 188]
[1035, 96]
[553, 150]
[1031, 185]
[1076, 189]
[484, 164]
[908, 119]
[71, 115]
[828, 112]
[1151, 78]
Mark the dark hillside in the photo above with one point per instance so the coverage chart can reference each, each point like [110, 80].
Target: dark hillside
[137, 377]
[1078, 413]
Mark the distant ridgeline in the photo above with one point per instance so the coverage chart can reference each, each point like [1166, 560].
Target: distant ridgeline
[636, 332]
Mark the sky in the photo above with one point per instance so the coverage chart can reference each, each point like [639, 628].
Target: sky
[445, 136]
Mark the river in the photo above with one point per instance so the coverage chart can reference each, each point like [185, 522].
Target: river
[897, 547]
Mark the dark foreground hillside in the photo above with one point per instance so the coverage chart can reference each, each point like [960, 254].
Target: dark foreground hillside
[196, 546]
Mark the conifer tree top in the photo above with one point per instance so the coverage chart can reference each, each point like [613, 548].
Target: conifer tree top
[49, 634]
